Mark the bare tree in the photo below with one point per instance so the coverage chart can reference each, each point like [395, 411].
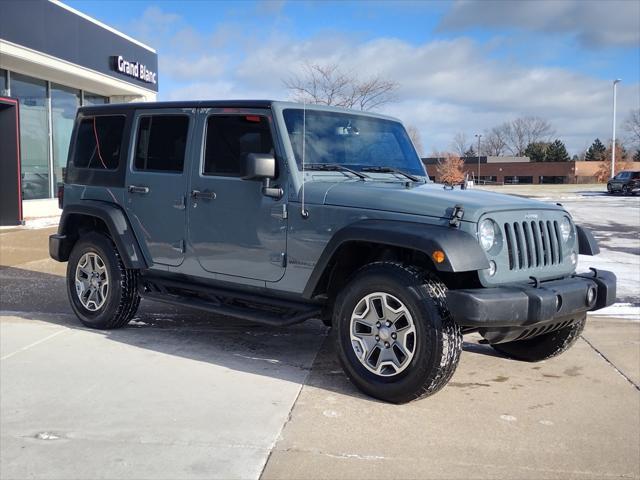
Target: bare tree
[329, 85]
[460, 143]
[525, 130]
[494, 142]
[632, 127]
[414, 135]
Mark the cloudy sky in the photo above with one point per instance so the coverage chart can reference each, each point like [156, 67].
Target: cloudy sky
[461, 65]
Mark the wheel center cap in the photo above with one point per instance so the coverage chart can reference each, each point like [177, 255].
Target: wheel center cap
[384, 333]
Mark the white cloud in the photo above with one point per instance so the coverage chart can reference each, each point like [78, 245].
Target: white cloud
[594, 23]
[446, 86]
[192, 70]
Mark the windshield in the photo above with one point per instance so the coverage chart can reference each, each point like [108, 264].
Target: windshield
[352, 140]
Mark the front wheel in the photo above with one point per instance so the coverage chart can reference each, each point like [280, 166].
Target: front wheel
[396, 339]
[609, 189]
[102, 292]
[543, 346]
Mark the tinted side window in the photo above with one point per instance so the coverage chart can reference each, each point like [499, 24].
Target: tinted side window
[230, 138]
[161, 143]
[635, 175]
[98, 142]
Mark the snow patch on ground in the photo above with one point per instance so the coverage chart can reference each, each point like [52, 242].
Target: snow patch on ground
[624, 310]
[44, 222]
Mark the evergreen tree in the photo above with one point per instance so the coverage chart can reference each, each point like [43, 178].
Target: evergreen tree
[557, 152]
[470, 152]
[537, 152]
[596, 152]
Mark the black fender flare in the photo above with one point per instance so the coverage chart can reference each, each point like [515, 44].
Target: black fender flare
[117, 224]
[462, 251]
[587, 245]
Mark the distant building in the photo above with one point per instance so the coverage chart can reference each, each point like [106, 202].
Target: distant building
[515, 170]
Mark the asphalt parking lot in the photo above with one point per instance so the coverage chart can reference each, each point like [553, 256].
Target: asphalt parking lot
[181, 394]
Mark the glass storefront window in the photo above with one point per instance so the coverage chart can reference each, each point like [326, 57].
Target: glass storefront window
[3, 83]
[64, 103]
[32, 95]
[94, 99]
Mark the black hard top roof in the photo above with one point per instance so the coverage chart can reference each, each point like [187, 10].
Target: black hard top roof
[184, 104]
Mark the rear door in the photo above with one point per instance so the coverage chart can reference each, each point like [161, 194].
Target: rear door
[157, 182]
[234, 229]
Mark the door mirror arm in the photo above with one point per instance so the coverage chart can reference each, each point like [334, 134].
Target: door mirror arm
[269, 191]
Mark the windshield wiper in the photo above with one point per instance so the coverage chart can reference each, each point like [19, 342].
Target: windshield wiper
[413, 178]
[335, 167]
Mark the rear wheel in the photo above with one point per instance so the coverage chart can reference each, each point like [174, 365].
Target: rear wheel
[102, 292]
[396, 339]
[625, 190]
[544, 346]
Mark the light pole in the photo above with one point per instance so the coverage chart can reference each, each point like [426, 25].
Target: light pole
[613, 142]
[478, 136]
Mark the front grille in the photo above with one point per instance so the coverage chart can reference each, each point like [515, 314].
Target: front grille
[533, 244]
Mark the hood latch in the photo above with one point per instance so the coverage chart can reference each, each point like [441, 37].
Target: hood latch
[456, 216]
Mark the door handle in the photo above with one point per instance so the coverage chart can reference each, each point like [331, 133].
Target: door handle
[138, 189]
[206, 195]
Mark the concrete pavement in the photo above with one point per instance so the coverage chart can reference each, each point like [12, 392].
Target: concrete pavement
[182, 394]
[574, 416]
[178, 394]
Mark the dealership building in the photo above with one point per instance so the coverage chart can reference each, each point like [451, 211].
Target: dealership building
[54, 59]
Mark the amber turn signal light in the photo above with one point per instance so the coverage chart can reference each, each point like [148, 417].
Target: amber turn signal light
[438, 256]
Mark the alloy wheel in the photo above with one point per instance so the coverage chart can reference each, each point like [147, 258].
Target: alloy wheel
[383, 334]
[92, 281]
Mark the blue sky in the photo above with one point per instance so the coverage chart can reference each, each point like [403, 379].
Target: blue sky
[461, 66]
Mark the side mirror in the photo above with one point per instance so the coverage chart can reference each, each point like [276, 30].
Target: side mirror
[259, 166]
[262, 166]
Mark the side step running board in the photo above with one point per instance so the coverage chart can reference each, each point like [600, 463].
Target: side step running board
[240, 305]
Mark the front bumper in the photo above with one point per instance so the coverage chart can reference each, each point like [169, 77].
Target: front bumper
[526, 306]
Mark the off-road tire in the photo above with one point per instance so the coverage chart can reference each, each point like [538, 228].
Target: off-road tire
[544, 346]
[122, 299]
[438, 340]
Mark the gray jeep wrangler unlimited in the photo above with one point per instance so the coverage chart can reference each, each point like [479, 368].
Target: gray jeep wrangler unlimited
[276, 213]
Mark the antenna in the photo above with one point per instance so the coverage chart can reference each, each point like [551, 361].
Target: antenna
[303, 211]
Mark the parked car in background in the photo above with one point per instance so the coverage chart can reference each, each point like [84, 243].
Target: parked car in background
[627, 182]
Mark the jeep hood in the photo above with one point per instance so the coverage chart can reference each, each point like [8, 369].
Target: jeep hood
[430, 199]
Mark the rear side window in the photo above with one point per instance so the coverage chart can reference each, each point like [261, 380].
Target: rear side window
[230, 138]
[161, 143]
[98, 142]
[635, 175]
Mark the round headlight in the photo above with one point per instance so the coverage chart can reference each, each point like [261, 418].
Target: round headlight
[565, 228]
[487, 234]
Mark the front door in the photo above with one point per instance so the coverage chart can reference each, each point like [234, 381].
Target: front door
[233, 228]
[619, 180]
[157, 182]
